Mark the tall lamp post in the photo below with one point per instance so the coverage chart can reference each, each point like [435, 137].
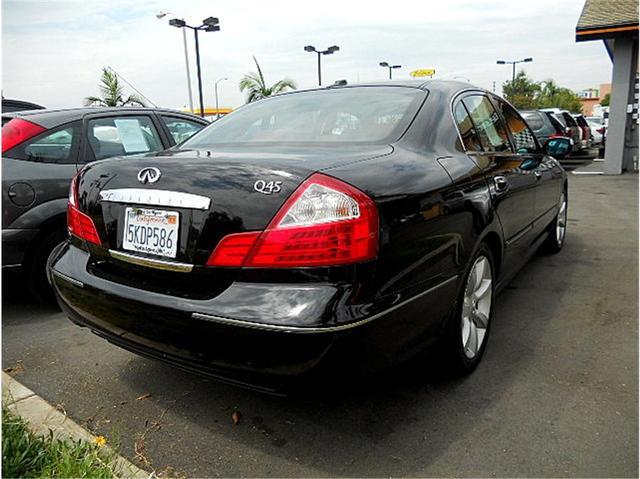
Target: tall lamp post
[161, 15]
[216, 90]
[328, 51]
[390, 67]
[513, 65]
[209, 24]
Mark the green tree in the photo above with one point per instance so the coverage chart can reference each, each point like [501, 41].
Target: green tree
[256, 87]
[112, 92]
[606, 100]
[553, 96]
[521, 92]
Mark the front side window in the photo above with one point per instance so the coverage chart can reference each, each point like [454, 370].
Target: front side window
[345, 115]
[470, 139]
[488, 124]
[522, 135]
[126, 135]
[54, 146]
[180, 128]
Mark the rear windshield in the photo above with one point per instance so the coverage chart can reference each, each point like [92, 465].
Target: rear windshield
[534, 119]
[560, 117]
[569, 120]
[345, 115]
[555, 122]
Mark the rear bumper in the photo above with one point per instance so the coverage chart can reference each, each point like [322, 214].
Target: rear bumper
[14, 245]
[256, 334]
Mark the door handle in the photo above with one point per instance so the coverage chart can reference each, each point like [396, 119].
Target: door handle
[538, 175]
[500, 183]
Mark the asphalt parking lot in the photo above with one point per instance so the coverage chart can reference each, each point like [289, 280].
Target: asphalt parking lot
[556, 394]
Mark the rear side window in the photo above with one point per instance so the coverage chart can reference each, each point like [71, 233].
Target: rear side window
[59, 145]
[470, 140]
[181, 129]
[488, 124]
[120, 136]
[522, 135]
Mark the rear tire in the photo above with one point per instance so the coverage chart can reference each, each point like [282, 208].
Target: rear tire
[36, 270]
[468, 331]
[557, 230]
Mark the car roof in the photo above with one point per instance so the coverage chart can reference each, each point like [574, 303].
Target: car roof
[25, 105]
[450, 87]
[53, 117]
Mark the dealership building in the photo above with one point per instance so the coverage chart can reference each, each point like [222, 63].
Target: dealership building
[615, 23]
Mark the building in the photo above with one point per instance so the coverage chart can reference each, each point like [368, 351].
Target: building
[591, 98]
[615, 23]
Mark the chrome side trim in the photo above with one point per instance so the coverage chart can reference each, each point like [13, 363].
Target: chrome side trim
[150, 197]
[151, 263]
[302, 330]
[67, 278]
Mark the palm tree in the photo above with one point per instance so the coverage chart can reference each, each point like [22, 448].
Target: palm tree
[112, 92]
[257, 88]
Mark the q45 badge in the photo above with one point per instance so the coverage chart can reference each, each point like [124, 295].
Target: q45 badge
[267, 187]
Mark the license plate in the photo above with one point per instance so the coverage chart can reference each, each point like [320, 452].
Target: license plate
[151, 231]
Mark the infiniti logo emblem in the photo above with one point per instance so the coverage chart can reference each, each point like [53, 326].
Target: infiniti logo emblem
[148, 175]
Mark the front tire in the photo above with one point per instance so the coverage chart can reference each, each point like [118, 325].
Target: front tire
[469, 329]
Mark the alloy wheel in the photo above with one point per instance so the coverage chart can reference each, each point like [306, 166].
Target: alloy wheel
[561, 220]
[476, 307]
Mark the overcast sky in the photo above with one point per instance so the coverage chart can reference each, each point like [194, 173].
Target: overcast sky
[52, 51]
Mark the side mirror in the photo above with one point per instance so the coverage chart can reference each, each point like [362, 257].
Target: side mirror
[558, 147]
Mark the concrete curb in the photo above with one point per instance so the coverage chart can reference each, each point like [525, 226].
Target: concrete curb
[42, 417]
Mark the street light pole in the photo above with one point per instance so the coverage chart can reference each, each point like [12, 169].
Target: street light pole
[209, 24]
[328, 51]
[195, 31]
[513, 64]
[186, 60]
[390, 67]
[216, 90]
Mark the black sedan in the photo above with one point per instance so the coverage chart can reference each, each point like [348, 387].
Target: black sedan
[344, 228]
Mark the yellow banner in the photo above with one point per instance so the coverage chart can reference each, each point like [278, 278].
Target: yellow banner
[424, 72]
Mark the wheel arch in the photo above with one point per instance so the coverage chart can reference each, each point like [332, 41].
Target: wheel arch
[46, 228]
[495, 244]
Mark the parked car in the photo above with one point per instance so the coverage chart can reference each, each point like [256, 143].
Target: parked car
[586, 131]
[544, 125]
[350, 226]
[570, 126]
[596, 124]
[9, 105]
[43, 149]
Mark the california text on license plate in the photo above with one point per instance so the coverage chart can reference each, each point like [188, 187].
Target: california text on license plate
[151, 231]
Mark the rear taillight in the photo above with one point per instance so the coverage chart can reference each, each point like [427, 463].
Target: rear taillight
[600, 130]
[18, 130]
[324, 223]
[79, 224]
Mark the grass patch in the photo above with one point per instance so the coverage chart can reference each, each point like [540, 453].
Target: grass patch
[27, 455]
